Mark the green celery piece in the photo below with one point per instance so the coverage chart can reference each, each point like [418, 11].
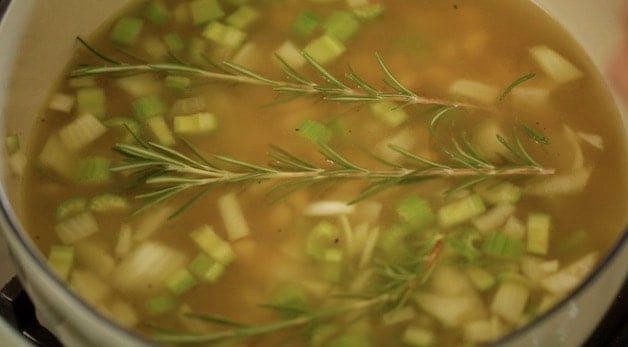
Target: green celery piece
[91, 100]
[206, 269]
[61, 259]
[109, 202]
[389, 113]
[369, 11]
[416, 211]
[289, 299]
[343, 25]
[205, 11]
[157, 12]
[178, 82]
[174, 41]
[460, 211]
[323, 237]
[12, 143]
[160, 304]
[224, 35]
[325, 49]
[126, 31]
[70, 207]
[149, 106]
[502, 245]
[243, 17]
[180, 282]
[94, 170]
[314, 131]
[305, 24]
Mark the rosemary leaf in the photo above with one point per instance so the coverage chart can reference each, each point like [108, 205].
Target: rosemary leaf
[515, 83]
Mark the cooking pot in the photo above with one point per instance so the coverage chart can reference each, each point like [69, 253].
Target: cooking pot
[36, 40]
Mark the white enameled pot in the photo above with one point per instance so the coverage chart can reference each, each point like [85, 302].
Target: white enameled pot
[36, 39]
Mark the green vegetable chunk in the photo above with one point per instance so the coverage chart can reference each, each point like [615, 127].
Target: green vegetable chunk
[204, 11]
[126, 31]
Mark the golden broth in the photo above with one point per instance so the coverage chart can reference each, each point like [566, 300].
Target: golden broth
[428, 45]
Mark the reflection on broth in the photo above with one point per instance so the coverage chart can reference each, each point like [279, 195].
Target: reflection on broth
[357, 173]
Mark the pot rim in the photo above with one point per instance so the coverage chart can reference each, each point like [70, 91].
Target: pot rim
[9, 218]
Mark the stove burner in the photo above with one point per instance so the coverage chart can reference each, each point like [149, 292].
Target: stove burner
[18, 310]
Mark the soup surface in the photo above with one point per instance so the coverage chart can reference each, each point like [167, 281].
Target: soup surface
[326, 173]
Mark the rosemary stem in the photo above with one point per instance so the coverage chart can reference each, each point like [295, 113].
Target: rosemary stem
[248, 331]
[205, 177]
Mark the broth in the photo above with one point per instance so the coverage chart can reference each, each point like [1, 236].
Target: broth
[437, 259]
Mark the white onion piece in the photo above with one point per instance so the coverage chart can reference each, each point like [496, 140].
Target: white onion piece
[328, 208]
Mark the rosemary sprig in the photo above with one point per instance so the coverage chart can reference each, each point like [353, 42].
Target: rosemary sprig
[295, 83]
[165, 172]
[241, 330]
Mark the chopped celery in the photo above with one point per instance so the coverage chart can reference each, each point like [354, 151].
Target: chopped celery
[174, 42]
[81, 132]
[188, 106]
[332, 264]
[460, 211]
[462, 242]
[155, 48]
[243, 17]
[509, 301]
[157, 12]
[503, 246]
[343, 25]
[481, 279]
[180, 282]
[109, 202]
[391, 241]
[178, 82]
[160, 304]
[323, 237]
[75, 228]
[474, 90]
[94, 170]
[204, 11]
[151, 222]
[206, 269]
[538, 233]
[314, 131]
[352, 340]
[325, 49]
[305, 24]
[233, 217]
[224, 35]
[160, 130]
[70, 207]
[12, 143]
[389, 112]
[291, 54]
[17, 163]
[61, 259]
[416, 211]
[208, 240]
[93, 256]
[149, 106]
[61, 102]
[90, 100]
[501, 193]
[289, 299]
[138, 85]
[484, 330]
[555, 65]
[198, 123]
[418, 336]
[126, 31]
